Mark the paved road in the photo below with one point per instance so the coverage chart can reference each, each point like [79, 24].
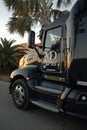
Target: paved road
[34, 119]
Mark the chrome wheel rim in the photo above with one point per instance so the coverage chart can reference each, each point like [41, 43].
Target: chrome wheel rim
[19, 95]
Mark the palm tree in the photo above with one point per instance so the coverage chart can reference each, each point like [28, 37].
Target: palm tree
[23, 7]
[28, 12]
[20, 24]
[9, 55]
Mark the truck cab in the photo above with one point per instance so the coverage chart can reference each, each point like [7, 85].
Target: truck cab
[54, 50]
[59, 82]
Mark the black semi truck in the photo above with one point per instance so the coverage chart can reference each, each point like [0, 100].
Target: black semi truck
[59, 82]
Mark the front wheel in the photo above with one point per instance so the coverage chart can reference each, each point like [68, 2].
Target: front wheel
[20, 94]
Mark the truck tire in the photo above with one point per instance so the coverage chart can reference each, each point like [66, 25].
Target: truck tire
[20, 94]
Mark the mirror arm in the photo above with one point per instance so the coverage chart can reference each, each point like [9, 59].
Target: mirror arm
[40, 56]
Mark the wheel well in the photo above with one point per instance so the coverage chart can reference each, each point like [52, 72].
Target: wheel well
[18, 77]
[14, 79]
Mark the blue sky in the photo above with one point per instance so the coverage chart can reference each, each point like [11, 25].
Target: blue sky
[4, 17]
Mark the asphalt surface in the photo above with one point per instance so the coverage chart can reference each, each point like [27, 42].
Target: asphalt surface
[35, 118]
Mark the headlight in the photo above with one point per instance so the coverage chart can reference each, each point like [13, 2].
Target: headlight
[11, 75]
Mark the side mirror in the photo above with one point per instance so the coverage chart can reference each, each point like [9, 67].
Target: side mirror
[31, 39]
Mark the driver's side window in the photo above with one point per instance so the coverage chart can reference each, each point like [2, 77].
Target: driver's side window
[53, 37]
[52, 53]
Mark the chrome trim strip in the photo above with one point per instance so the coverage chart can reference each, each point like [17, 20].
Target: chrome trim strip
[83, 83]
[55, 91]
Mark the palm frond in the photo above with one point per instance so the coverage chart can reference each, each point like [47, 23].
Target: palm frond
[10, 54]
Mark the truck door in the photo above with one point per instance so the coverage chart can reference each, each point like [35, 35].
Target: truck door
[53, 60]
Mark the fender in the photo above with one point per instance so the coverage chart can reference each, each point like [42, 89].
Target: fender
[29, 73]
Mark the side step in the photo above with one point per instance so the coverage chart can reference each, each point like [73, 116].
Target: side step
[45, 105]
[49, 90]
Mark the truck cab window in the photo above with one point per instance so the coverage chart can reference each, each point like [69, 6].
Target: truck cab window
[53, 37]
[52, 53]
